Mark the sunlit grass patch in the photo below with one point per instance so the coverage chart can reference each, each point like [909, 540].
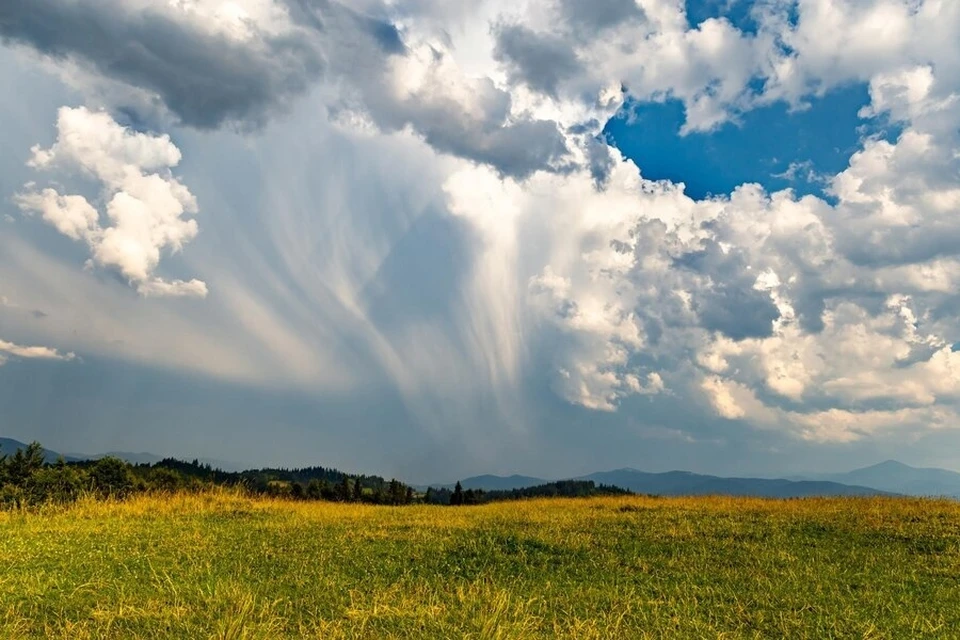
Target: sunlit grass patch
[222, 565]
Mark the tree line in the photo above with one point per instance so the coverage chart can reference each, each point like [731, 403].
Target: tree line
[560, 489]
[26, 479]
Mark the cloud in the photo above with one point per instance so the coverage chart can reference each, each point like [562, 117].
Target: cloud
[145, 204]
[820, 319]
[600, 14]
[800, 170]
[468, 117]
[827, 321]
[733, 306]
[567, 50]
[540, 61]
[239, 63]
[31, 353]
[208, 62]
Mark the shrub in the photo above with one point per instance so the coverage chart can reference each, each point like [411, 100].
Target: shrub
[111, 477]
[58, 484]
[166, 480]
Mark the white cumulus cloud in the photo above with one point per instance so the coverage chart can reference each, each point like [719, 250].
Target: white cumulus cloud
[146, 208]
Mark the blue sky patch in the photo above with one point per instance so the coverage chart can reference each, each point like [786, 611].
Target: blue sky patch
[771, 146]
[738, 12]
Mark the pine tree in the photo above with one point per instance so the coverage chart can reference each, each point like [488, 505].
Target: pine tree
[296, 491]
[396, 492]
[314, 489]
[24, 463]
[457, 498]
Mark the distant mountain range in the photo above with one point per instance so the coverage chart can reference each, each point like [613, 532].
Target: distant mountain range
[889, 477]
[132, 458]
[684, 483]
[8, 446]
[897, 477]
[498, 483]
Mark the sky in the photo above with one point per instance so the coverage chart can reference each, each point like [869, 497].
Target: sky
[436, 238]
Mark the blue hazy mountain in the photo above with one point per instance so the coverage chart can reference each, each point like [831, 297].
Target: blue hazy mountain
[501, 483]
[680, 483]
[128, 456]
[492, 483]
[9, 446]
[897, 477]
[144, 457]
[685, 483]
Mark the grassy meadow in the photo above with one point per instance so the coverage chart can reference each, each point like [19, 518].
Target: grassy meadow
[221, 565]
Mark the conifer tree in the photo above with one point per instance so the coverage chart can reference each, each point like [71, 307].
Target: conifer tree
[296, 491]
[457, 498]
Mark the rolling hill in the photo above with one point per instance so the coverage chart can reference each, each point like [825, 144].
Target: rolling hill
[152, 458]
[683, 483]
[9, 446]
[897, 477]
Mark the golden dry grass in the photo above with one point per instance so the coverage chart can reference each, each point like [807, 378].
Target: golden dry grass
[222, 565]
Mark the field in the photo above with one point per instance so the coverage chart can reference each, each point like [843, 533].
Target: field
[224, 566]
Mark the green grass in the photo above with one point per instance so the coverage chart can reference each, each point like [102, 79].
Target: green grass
[224, 566]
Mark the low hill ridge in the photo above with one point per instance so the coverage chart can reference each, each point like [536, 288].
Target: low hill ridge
[897, 477]
[679, 482]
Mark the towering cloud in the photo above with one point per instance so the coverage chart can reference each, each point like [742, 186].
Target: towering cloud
[145, 205]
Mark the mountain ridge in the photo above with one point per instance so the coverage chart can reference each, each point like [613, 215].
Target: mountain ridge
[681, 482]
[897, 477]
[889, 477]
[145, 457]
[8, 446]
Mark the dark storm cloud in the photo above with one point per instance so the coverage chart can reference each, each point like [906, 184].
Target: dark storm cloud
[207, 79]
[730, 304]
[204, 78]
[541, 61]
[516, 150]
[483, 134]
[596, 15]
[901, 245]
[601, 162]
